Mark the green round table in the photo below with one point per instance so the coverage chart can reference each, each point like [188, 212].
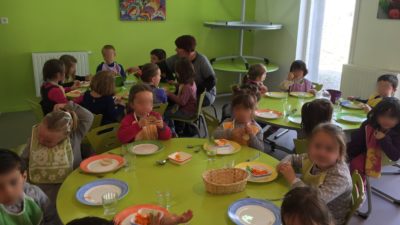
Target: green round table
[237, 66]
[184, 182]
[278, 105]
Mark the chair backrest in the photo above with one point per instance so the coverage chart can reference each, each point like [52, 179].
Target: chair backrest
[36, 108]
[211, 121]
[300, 145]
[104, 138]
[19, 149]
[160, 108]
[357, 195]
[317, 86]
[200, 104]
[97, 118]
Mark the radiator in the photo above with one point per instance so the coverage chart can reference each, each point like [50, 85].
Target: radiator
[361, 80]
[39, 58]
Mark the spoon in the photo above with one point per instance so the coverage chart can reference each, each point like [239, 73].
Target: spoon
[192, 146]
[162, 162]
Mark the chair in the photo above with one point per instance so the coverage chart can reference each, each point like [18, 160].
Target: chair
[19, 149]
[104, 138]
[211, 121]
[357, 194]
[300, 145]
[97, 118]
[198, 117]
[160, 108]
[36, 108]
[317, 86]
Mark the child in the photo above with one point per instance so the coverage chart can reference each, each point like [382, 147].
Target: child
[151, 75]
[54, 149]
[51, 92]
[186, 99]
[242, 127]
[295, 81]
[100, 98]
[256, 75]
[386, 86]
[324, 168]
[314, 113]
[21, 202]
[109, 64]
[141, 123]
[379, 134]
[303, 206]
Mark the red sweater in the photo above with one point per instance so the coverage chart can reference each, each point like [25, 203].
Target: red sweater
[130, 128]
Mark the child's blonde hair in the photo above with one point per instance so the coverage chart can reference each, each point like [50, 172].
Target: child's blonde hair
[103, 83]
[255, 71]
[61, 121]
[107, 47]
[336, 133]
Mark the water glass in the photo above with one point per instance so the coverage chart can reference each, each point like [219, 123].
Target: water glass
[129, 158]
[287, 109]
[211, 151]
[229, 163]
[109, 201]
[164, 199]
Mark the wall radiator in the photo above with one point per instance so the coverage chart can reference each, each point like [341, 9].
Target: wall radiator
[39, 58]
[361, 80]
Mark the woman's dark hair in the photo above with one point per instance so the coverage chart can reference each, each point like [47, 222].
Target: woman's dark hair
[391, 78]
[10, 161]
[149, 71]
[185, 71]
[134, 90]
[299, 65]
[68, 61]
[389, 106]
[304, 204]
[186, 42]
[245, 100]
[249, 89]
[51, 67]
[314, 113]
[160, 53]
[90, 221]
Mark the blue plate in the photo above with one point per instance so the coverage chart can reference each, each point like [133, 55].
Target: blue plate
[94, 190]
[248, 211]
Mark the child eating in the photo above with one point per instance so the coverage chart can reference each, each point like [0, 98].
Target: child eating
[314, 113]
[141, 123]
[21, 202]
[151, 75]
[324, 168]
[295, 81]
[109, 64]
[256, 75]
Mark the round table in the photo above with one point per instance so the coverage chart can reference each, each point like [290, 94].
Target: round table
[278, 104]
[184, 182]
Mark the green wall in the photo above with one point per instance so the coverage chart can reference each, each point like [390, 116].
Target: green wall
[76, 25]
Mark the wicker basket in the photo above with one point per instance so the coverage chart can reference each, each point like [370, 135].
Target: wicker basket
[225, 181]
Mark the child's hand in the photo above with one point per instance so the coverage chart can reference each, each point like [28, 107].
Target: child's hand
[290, 76]
[287, 171]
[379, 135]
[366, 108]
[59, 107]
[171, 219]
[248, 129]
[142, 122]
[119, 101]
[159, 124]
[351, 98]
[312, 91]
[263, 89]
[131, 70]
[76, 85]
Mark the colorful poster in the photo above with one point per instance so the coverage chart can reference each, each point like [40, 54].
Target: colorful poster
[389, 9]
[142, 10]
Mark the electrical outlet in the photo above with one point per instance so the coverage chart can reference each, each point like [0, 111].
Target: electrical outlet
[3, 20]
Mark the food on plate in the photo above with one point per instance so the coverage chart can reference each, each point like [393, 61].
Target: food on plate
[106, 162]
[258, 171]
[221, 142]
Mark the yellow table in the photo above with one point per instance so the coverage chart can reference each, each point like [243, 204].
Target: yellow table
[184, 183]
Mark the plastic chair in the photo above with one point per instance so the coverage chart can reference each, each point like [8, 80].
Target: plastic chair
[160, 108]
[197, 118]
[19, 149]
[317, 86]
[211, 121]
[357, 194]
[97, 118]
[36, 108]
[104, 138]
[300, 145]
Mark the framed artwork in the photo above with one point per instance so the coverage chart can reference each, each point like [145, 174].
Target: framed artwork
[142, 10]
[389, 9]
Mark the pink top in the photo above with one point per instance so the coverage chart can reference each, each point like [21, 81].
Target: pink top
[302, 86]
[186, 98]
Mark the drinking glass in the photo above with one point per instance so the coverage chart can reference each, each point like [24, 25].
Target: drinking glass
[164, 199]
[109, 201]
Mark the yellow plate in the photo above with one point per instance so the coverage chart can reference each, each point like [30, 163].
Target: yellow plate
[236, 147]
[301, 94]
[265, 179]
[74, 94]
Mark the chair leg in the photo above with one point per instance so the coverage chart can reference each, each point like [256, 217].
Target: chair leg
[204, 122]
[386, 196]
[197, 129]
[215, 111]
[365, 215]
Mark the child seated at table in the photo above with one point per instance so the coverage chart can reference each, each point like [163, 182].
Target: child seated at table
[21, 202]
[295, 81]
[109, 64]
[141, 122]
[151, 75]
[242, 128]
[324, 168]
[54, 149]
[314, 113]
[100, 98]
[186, 100]
[256, 75]
[379, 134]
[386, 86]
[71, 78]
[304, 206]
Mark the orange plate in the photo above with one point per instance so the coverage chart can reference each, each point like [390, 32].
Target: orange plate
[120, 217]
[84, 164]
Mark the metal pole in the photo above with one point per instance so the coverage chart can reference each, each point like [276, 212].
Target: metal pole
[242, 19]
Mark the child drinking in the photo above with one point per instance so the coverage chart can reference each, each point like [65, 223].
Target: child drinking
[378, 136]
[256, 75]
[324, 168]
[303, 206]
[386, 86]
[151, 75]
[242, 127]
[141, 123]
[295, 81]
[54, 149]
[314, 113]
[21, 202]
[109, 64]
[100, 98]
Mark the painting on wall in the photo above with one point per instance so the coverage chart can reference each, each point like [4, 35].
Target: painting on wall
[142, 10]
[389, 9]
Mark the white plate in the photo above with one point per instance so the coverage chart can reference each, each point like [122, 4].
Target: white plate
[267, 115]
[144, 149]
[97, 167]
[129, 220]
[255, 215]
[295, 119]
[276, 94]
[352, 119]
[224, 150]
[94, 194]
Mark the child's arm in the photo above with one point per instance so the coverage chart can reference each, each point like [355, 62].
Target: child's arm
[57, 95]
[183, 98]
[85, 119]
[113, 110]
[221, 133]
[128, 130]
[357, 145]
[256, 141]
[164, 132]
[49, 212]
[390, 144]
[161, 95]
[122, 72]
[285, 85]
